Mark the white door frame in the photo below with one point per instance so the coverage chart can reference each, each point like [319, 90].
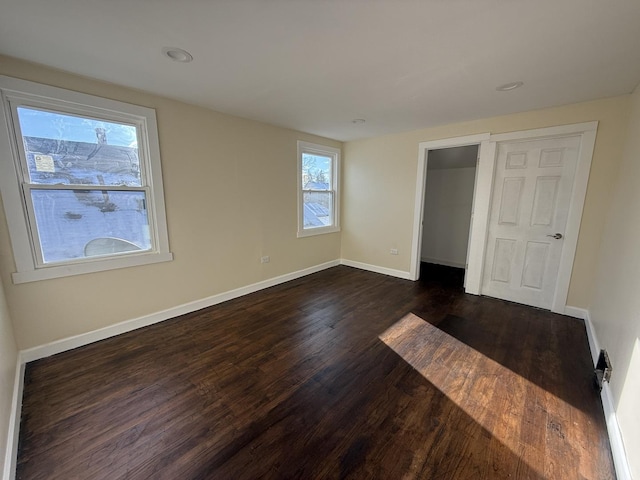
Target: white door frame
[421, 181]
[482, 201]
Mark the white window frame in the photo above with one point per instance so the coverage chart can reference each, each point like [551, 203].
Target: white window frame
[334, 154]
[24, 240]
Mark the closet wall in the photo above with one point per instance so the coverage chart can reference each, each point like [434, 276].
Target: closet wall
[448, 201]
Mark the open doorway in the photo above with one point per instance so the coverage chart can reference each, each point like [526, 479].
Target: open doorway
[487, 193]
[447, 209]
[481, 197]
[481, 193]
[448, 204]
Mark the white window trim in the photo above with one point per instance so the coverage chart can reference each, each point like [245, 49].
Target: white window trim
[27, 268]
[334, 153]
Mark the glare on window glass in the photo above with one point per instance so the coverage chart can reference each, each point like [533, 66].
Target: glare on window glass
[86, 154]
[316, 172]
[316, 184]
[317, 209]
[72, 224]
[74, 150]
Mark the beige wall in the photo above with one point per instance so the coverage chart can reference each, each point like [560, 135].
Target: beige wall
[230, 192]
[8, 360]
[615, 310]
[380, 180]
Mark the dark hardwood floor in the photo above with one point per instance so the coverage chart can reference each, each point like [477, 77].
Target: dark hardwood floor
[341, 374]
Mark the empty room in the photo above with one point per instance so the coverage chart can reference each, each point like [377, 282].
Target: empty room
[319, 239]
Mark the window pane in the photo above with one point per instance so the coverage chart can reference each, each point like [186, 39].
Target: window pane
[316, 172]
[73, 224]
[73, 150]
[318, 208]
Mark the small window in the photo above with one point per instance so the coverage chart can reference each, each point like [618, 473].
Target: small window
[318, 199]
[84, 192]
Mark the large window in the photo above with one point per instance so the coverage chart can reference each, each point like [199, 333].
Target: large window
[81, 182]
[318, 200]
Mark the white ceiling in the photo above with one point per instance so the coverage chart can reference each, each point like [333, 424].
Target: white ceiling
[315, 65]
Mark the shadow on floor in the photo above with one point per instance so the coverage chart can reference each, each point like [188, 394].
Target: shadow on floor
[547, 349]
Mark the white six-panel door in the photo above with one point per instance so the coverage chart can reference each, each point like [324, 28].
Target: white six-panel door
[529, 210]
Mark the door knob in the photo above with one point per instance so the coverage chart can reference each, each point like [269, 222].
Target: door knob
[557, 236]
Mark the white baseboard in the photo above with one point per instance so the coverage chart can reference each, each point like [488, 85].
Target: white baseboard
[376, 269]
[446, 263]
[575, 312]
[594, 344]
[42, 351]
[583, 314]
[11, 453]
[70, 343]
[615, 436]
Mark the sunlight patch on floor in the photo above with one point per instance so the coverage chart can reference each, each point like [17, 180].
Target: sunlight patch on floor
[497, 398]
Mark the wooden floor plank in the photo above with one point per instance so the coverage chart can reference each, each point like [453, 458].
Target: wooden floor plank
[343, 374]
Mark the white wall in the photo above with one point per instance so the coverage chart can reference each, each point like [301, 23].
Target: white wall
[8, 360]
[615, 308]
[447, 214]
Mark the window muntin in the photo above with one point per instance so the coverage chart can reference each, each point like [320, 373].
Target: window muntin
[89, 187]
[318, 192]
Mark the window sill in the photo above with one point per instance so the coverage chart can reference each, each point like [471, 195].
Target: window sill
[317, 231]
[59, 271]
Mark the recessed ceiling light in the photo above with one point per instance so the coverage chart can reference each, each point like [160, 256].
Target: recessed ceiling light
[358, 121]
[509, 86]
[177, 54]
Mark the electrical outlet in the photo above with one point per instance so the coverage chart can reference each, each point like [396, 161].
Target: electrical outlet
[265, 259]
[393, 251]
